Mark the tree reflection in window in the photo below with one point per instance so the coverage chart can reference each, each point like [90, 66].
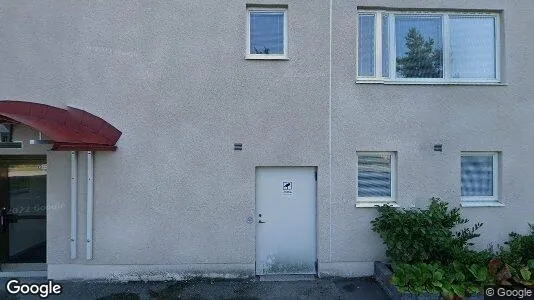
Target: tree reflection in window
[422, 59]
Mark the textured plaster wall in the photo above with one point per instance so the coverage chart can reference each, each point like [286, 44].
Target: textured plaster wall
[171, 75]
[410, 119]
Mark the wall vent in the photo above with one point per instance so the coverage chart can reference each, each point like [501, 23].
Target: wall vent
[238, 146]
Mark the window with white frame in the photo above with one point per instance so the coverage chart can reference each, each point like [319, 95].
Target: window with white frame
[267, 33]
[428, 47]
[479, 176]
[376, 179]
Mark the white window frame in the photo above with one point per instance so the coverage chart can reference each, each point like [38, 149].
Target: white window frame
[378, 201]
[483, 200]
[447, 79]
[266, 56]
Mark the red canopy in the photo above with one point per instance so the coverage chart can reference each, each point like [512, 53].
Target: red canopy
[70, 128]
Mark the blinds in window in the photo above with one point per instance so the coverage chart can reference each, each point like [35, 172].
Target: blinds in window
[374, 175]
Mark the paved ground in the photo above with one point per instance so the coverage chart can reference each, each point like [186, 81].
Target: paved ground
[324, 288]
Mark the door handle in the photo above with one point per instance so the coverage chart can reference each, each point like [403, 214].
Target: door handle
[3, 220]
[261, 222]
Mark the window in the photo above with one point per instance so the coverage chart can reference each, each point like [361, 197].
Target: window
[376, 179]
[6, 133]
[267, 33]
[479, 178]
[428, 47]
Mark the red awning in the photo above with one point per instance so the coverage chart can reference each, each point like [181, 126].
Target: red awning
[70, 128]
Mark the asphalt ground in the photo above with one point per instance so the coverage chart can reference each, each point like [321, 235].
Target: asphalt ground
[364, 288]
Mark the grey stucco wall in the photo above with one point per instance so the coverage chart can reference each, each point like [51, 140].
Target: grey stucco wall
[172, 77]
[410, 119]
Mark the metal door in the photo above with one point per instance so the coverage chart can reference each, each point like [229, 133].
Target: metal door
[286, 220]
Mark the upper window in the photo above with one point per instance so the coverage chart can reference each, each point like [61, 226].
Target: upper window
[267, 33]
[479, 177]
[376, 177]
[428, 47]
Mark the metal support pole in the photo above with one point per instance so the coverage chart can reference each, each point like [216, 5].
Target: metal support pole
[89, 205]
[73, 202]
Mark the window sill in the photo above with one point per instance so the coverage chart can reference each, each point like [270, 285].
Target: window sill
[481, 204]
[373, 204]
[489, 83]
[266, 57]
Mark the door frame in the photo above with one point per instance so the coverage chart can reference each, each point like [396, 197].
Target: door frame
[316, 216]
[10, 269]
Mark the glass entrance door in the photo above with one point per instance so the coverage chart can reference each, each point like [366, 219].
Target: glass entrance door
[23, 209]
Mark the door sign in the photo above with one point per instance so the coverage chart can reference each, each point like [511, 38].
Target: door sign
[287, 188]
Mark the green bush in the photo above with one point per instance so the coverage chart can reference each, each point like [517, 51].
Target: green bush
[520, 249]
[452, 281]
[424, 236]
[469, 257]
[504, 274]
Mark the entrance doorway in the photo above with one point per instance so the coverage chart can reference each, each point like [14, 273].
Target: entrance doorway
[22, 210]
[286, 220]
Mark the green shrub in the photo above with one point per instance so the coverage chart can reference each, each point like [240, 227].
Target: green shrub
[450, 281]
[424, 236]
[520, 249]
[525, 274]
[504, 274]
[470, 257]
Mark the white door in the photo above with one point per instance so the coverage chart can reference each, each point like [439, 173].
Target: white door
[285, 220]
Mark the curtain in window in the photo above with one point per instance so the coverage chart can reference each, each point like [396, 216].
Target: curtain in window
[472, 46]
[477, 175]
[366, 45]
[266, 32]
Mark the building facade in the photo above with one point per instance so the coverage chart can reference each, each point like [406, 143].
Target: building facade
[241, 139]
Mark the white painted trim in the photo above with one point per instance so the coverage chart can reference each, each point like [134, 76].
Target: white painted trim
[378, 44]
[392, 48]
[251, 56]
[498, 47]
[441, 80]
[394, 82]
[364, 201]
[484, 200]
[446, 63]
[265, 57]
[89, 224]
[481, 204]
[373, 204]
[73, 203]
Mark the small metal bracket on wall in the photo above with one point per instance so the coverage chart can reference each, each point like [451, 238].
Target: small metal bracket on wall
[238, 146]
[438, 147]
